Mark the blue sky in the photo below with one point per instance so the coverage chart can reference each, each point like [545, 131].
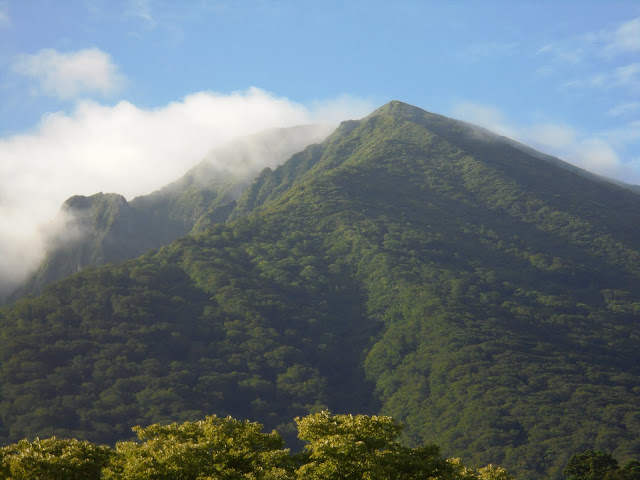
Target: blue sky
[570, 64]
[125, 95]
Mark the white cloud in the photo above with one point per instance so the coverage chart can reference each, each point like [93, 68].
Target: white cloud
[626, 38]
[598, 60]
[624, 109]
[140, 9]
[550, 135]
[73, 74]
[4, 14]
[128, 150]
[483, 115]
[596, 153]
[629, 133]
[605, 43]
[625, 76]
[599, 155]
[564, 52]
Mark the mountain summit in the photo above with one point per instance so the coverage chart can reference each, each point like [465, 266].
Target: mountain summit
[484, 294]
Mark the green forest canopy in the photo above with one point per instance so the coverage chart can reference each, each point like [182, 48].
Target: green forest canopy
[408, 266]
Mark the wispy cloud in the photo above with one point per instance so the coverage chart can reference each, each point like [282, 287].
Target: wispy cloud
[485, 116]
[551, 135]
[5, 20]
[129, 150]
[597, 153]
[71, 74]
[625, 76]
[629, 133]
[624, 109]
[564, 52]
[625, 38]
[600, 60]
[140, 9]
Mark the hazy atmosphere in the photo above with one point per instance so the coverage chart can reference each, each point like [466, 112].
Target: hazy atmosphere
[125, 96]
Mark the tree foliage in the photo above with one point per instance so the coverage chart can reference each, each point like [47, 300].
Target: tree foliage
[363, 447]
[53, 459]
[339, 446]
[217, 448]
[599, 465]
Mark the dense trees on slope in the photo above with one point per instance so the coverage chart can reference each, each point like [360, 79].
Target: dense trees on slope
[598, 465]
[104, 228]
[409, 264]
[141, 343]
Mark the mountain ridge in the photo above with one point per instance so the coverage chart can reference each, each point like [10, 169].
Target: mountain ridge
[484, 297]
[108, 228]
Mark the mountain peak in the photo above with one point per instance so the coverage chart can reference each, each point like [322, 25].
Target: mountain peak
[439, 124]
[106, 200]
[396, 107]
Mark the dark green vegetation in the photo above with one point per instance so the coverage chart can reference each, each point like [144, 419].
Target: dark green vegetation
[338, 447]
[485, 296]
[597, 465]
[105, 228]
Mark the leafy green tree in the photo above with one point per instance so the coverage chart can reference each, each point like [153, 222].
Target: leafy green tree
[459, 471]
[492, 472]
[590, 465]
[629, 471]
[597, 465]
[53, 459]
[363, 447]
[214, 448]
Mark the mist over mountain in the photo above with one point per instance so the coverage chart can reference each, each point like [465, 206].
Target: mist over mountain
[486, 295]
[127, 149]
[105, 228]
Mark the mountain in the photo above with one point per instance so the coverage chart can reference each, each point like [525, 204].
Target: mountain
[105, 228]
[410, 264]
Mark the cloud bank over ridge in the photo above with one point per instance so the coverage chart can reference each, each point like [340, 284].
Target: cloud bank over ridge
[130, 150]
[597, 153]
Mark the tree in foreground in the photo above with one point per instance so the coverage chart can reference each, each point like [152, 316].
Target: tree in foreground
[364, 447]
[214, 448]
[53, 459]
[598, 465]
[343, 447]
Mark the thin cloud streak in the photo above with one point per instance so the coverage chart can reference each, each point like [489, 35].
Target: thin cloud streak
[624, 109]
[604, 43]
[140, 9]
[626, 76]
[626, 38]
[601, 60]
[5, 20]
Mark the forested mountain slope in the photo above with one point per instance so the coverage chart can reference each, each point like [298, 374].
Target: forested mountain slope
[105, 228]
[410, 264]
